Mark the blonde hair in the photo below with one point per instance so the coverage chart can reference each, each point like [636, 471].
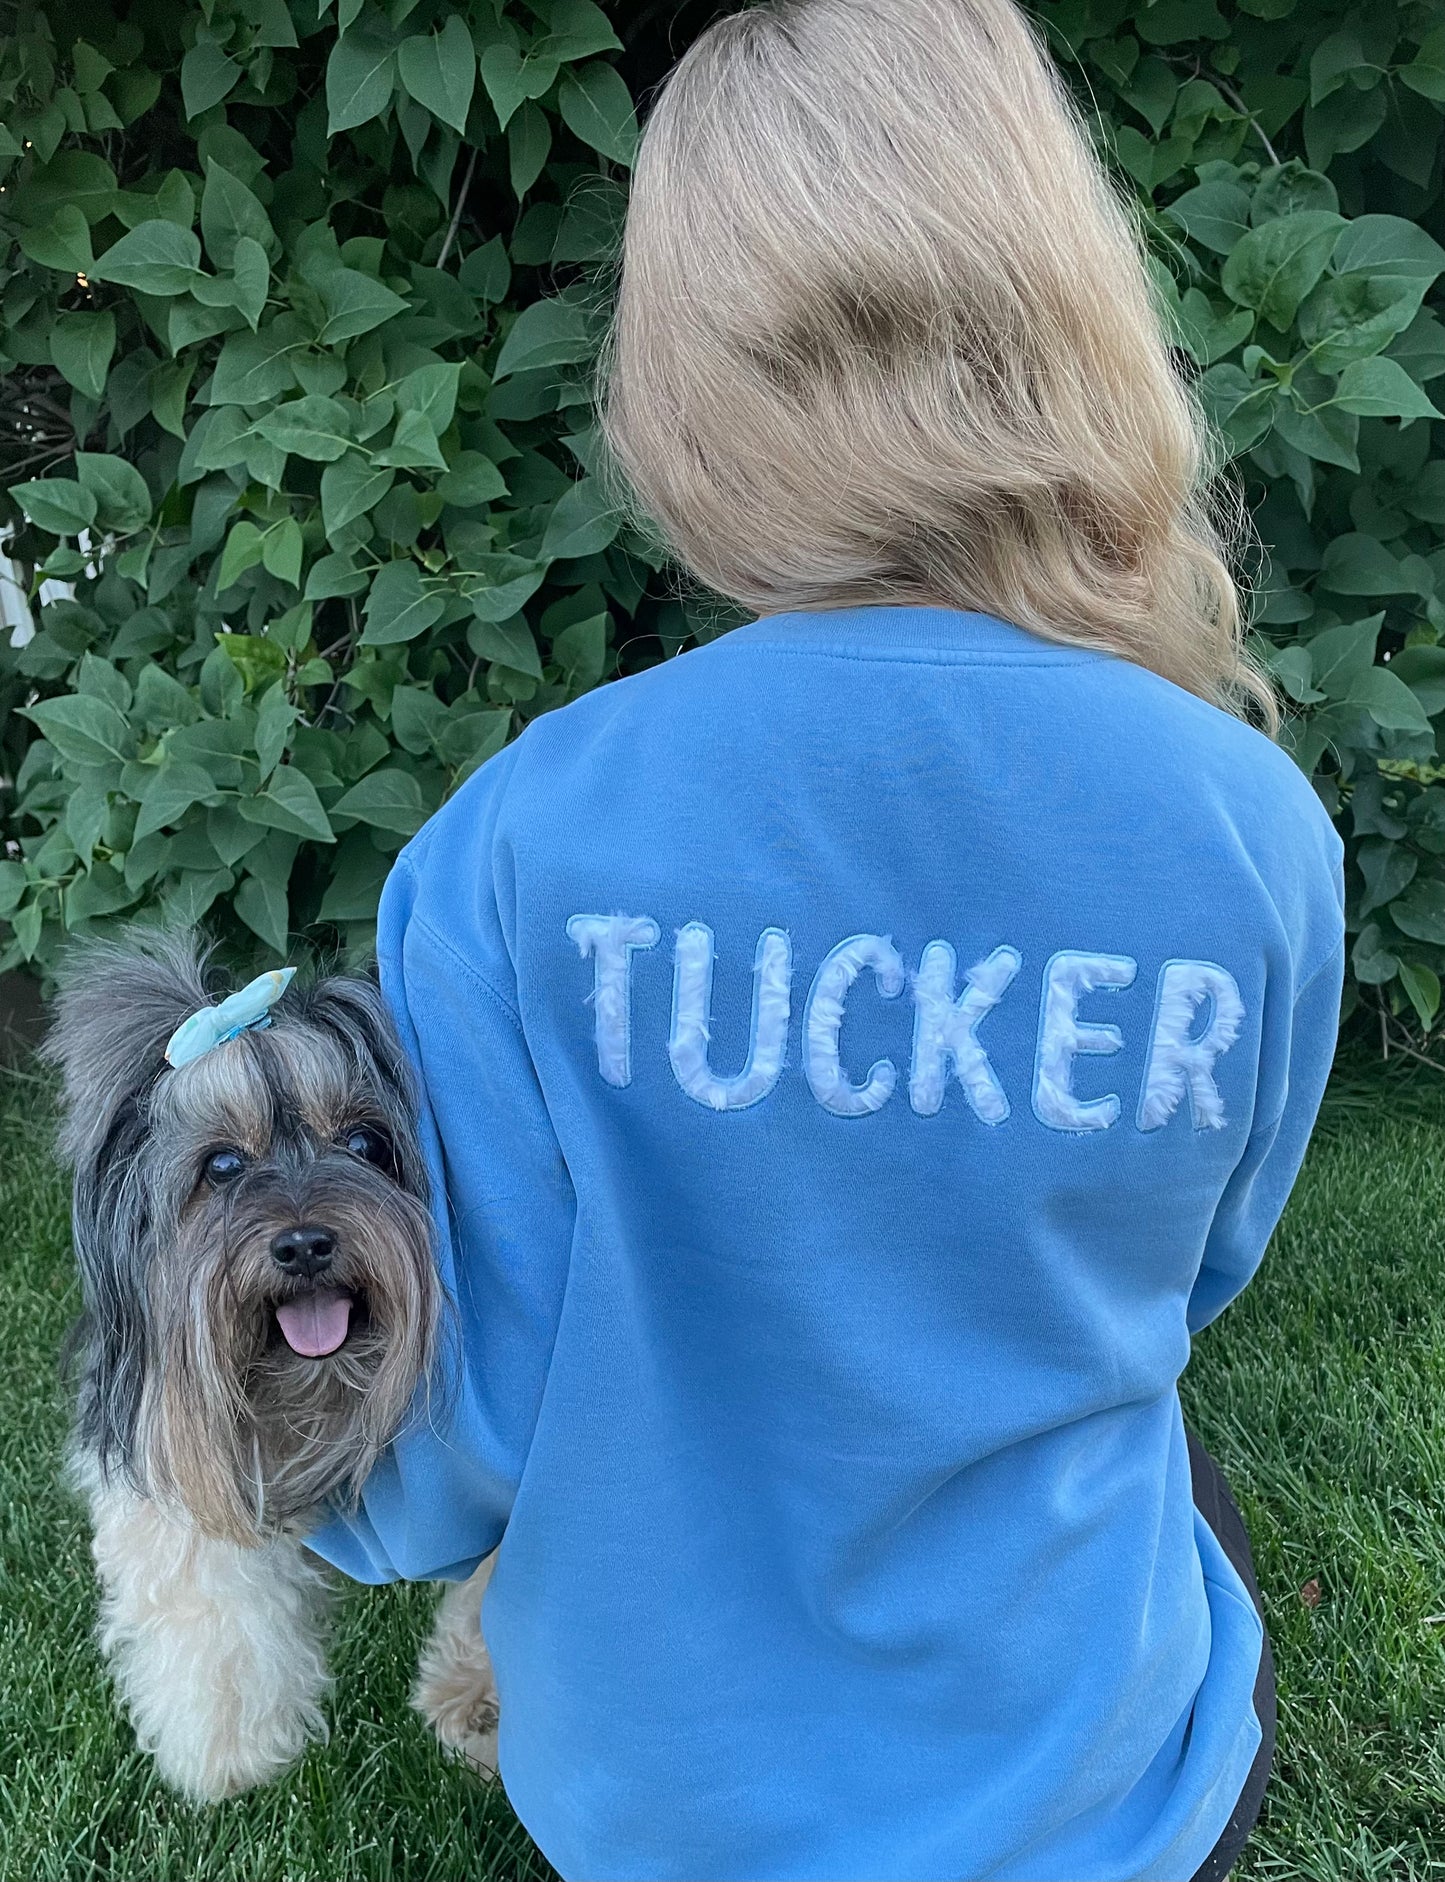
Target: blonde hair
[883, 333]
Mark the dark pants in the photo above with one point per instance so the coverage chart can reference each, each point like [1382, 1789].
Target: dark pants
[1219, 1510]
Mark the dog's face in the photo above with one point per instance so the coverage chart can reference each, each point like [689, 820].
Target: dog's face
[253, 1238]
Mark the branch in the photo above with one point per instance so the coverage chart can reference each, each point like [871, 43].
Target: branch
[457, 212]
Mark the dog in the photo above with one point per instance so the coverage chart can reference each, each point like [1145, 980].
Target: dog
[260, 1314]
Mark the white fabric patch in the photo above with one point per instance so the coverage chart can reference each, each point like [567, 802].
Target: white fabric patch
[612, 940]
[945, 1030]
[1063, 1035]
[1180, 1060]
[692, 1019]
[823, 1023]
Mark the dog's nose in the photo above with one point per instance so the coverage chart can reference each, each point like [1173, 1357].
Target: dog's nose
[304, 1251]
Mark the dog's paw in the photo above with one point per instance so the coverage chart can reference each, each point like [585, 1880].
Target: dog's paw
[463, 1714]
[454, 1691]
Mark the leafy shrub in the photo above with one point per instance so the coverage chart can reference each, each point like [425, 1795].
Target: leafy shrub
[299, 303]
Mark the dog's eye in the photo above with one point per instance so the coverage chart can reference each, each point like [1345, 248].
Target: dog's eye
[369, 1145]
[224, 1166]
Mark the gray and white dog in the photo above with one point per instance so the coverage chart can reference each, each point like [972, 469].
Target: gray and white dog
[260, 1307]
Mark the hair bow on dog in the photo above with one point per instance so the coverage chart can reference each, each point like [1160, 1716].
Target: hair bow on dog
[240, 1012]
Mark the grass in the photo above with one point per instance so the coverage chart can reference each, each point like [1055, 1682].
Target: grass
[1322, 1392]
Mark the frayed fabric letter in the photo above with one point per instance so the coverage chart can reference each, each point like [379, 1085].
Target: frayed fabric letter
[612, 940]
[823, 1024]
[692, 1019]
[1063, 1035]
[945, 1030]
[1181, 1060]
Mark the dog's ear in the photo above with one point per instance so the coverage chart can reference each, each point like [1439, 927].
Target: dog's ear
[118, 1004]
[352, 1010]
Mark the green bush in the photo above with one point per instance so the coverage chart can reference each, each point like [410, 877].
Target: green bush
[298, 310]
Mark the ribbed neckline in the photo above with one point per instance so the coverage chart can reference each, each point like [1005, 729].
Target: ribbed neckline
[890, 629]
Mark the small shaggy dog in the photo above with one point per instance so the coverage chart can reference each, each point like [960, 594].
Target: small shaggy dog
[260, 1308]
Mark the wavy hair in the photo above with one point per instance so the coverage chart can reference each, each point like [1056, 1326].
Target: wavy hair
[884, 333]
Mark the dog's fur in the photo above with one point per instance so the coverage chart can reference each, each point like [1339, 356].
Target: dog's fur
[204, 1441]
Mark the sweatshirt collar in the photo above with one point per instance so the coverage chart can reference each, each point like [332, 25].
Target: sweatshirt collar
[888, 630]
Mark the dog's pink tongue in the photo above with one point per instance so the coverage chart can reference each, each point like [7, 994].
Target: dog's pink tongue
[315, 1324]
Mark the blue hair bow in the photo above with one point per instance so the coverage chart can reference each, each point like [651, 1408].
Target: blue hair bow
[214, 1025]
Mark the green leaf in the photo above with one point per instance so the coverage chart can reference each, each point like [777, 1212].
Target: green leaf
[172, 791]
[185, 901]
[582, 522]
[262, 905]
[83, 729]
[101, 891]
[581, 650]
[1381, 388]
[360, 76]
[289, 802]
[63, 245]
[229, 211]
[313, 427]
[255, 368]
[388, 799]
[529, 144]
[1388, 868]
[1353, 316]
[440, 70]
[74, 179]
[432, 391]
[398, 608]
[1422, 985]
[1425, 75]
[1420, 912]
[472, 481]
[354, 303]
[355, 888]
[417, 716]
[509, 642]
[1340, 654]
[1272, 268]
[1389, 245]
[334, 575]
[548, 333]
[1215, 215]
[469, 739]
[281, 551]
[1357, 564]
[510, 80]
[207, 76]
[1423, 671]
[56, 504]
[251, 280]
[414, 445]
[596, 107]
[1388, 700]
[242, 551]
[122, 501]
[155, 257]
[349, 489]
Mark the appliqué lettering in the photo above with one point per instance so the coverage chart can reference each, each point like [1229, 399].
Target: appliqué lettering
[1198, 1015]
[823, 1022]
[692, 1019]
[1180, 1059]
[612, 940]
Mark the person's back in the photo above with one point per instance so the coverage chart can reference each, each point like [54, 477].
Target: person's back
[858, 1053]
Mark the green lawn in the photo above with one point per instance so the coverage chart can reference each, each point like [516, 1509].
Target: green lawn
[1322, 1392]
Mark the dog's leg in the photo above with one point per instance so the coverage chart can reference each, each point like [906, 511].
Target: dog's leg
[215, 1649]
[454, 1690]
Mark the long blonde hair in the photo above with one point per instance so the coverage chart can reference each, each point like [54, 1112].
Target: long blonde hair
[883, 333]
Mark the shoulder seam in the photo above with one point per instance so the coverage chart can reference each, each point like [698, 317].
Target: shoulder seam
[470, 969]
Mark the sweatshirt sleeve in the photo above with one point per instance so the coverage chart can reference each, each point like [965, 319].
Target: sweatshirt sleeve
[1255, 1196]
[438, 1499]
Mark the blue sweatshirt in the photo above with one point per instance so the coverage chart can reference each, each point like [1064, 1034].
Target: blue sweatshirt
[858, 1054]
